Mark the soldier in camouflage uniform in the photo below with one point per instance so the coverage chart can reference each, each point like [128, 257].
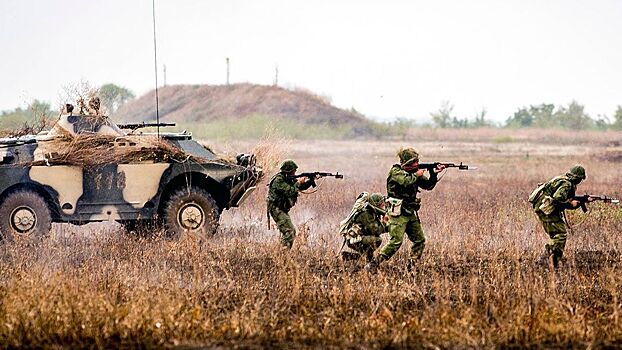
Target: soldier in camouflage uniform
[363, 231]
[403, 184]
[282, 196]
[550, 203]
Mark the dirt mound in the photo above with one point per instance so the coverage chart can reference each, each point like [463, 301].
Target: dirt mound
[188, 103]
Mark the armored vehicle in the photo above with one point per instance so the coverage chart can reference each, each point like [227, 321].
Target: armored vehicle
[87, 169]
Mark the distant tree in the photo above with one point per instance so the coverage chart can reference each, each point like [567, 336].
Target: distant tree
[38, 109]
[521, 119]
[617, 119]
[543, 115]
[113, 96]
[573, 117]
[442, 118]
[459, 123]
[479, 120]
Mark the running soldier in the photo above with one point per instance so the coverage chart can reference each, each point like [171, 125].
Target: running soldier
[363, 227]
[550, 200]
[282, 196]
[403, 184]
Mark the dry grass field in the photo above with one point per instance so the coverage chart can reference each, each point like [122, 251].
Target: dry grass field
[477, 285]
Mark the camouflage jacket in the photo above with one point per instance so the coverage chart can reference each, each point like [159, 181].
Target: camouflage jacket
[404, 185]
[369, 223]
[561, 190]
[283, 191]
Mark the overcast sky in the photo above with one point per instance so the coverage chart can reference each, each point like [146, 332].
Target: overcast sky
[385, 58]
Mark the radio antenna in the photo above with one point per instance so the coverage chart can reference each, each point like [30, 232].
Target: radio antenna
[155, 62]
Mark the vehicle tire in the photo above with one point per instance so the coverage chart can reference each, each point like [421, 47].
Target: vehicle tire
[192, 212]
[24, 215]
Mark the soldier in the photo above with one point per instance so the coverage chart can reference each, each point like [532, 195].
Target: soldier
[549, 201]
[282, 195]
[363, 227]
[403, 183]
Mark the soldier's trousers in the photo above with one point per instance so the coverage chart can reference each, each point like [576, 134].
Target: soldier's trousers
[410, 225]
[555, 227]
[285, 225]
[366, 246]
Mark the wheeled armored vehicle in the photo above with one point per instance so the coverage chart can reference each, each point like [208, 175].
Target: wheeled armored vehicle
[87, 169]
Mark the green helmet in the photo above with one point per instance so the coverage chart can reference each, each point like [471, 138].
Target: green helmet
[375, 201]
[408, 156]
[577, 172]
[288, 166]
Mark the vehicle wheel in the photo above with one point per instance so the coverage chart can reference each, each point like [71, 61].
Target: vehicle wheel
[192, 212]
[24, 214]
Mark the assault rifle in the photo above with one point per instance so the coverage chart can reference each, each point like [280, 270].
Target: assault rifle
[584, 199]
[312, 175]
[136, 126]
[432, 166]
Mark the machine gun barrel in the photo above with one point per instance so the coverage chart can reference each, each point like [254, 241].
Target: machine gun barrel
[136, 126]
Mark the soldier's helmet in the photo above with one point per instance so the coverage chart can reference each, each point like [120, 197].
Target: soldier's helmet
[375, 201]
[288, 166]
[408, 156]
[577, 172]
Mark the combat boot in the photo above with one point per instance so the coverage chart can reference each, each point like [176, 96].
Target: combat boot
[372, 265]
[543, 260]
[349, 256]
[558, 261]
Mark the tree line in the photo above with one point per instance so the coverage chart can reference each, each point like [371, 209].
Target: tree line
[545, 115]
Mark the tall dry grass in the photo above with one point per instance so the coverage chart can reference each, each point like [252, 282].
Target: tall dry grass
[477, 285]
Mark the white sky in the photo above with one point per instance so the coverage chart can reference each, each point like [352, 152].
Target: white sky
[385, 58]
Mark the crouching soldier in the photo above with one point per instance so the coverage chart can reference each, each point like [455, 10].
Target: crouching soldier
[549, 201]
[363, 227]
[403, 184]
[282, 196]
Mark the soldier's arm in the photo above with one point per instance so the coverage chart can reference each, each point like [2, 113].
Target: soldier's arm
[428, 183]
[403, 178]
[371, 224]
[283, 188]
[561, 197]
[305, 185]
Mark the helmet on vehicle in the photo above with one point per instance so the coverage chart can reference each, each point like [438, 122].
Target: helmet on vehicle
[408, 156]
[578, 172]
[288, 166]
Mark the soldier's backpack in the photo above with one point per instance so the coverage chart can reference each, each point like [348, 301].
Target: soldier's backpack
[546, 206]
[358, 207]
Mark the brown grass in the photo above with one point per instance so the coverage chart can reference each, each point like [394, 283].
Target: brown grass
[476, 287]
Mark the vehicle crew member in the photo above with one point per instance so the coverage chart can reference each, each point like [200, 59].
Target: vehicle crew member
[282, 196]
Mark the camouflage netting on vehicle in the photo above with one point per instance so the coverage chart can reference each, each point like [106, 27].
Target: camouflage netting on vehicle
[99, 150]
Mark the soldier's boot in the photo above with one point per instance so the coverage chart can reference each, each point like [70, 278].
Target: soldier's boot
[372, 266]
[350, 256]
[543, 260]
[411, 265]
[558, 260]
